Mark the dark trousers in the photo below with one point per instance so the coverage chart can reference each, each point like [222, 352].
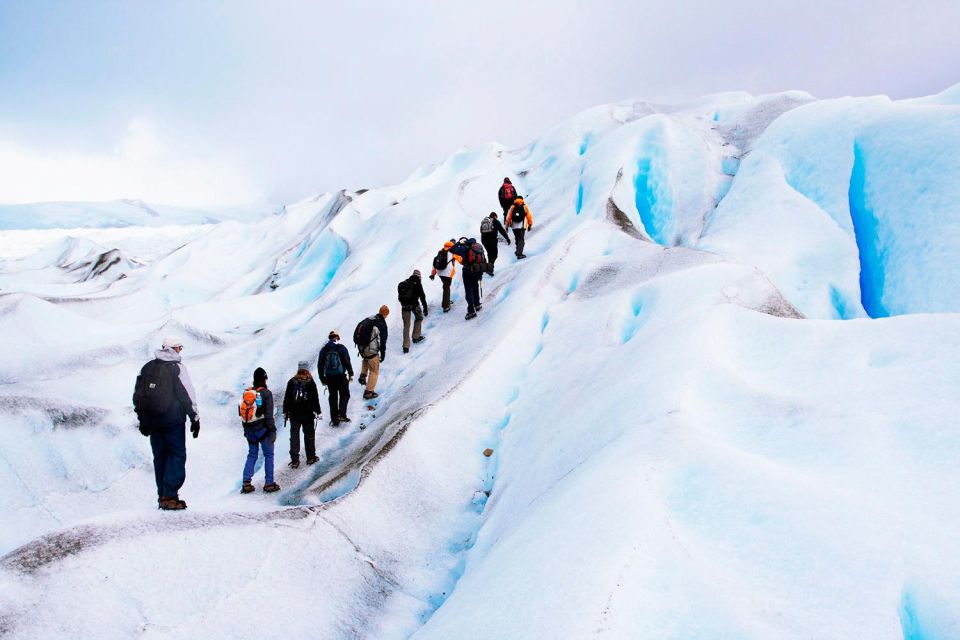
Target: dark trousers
[506, 207]
[518, 240]
[339, 390]
[489, 241]
[446, 280]
[169, 444]
[471, 287]
[309, 436]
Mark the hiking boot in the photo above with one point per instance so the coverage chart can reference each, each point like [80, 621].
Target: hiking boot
[362, 379]
[406, 349]
[446, 309]
[273, 487]
[470, 315]
[370, 395]
[171, 504]
[247, 488]
[313, 460]
[294, 464]
[344, 419]
[419, 339]
[335, 422]
[521, 256]
[479, 306]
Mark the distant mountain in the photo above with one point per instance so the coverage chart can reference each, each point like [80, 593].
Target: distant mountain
[118, 213]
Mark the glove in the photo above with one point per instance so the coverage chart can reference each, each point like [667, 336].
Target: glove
[272, 436]
[529, 227]
[508, 242]
[426, 311]
[432, 276]
[195, 427]
[144, 429]
[383, 357]
[350, 379]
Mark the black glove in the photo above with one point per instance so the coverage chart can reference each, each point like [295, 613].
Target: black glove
[383, 357]
[144, 429]
[425, 310]
[508, 242]
[272, 436]
[195, 427]
[432, 276]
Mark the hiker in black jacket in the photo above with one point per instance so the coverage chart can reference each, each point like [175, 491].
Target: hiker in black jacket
[336, 374]
[301, 406]
[411, 295]
[489, 228]
[163, 398]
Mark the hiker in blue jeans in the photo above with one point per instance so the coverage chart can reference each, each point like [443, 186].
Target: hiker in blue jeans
[260, 430]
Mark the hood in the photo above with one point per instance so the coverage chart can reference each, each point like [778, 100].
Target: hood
[168, 355]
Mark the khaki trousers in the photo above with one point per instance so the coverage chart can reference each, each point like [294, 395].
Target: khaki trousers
[371, 369]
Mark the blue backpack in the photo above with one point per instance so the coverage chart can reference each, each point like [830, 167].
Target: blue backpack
[332, 364]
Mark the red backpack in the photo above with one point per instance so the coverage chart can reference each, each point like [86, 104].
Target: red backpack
[509, 193]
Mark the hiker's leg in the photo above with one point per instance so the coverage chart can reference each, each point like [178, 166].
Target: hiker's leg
[295, 439]
[365, 367]
[405, 313]
[446, 280]
[374, 367]
[252, 450]
[309, 438]
[491, 248]
[341, 409]
[519, 235]
[333, 391]
[159, 456]
[175, 472]
[267, 445]
[417, 321]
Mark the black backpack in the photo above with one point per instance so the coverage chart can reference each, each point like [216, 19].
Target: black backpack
[441, 260]
[363, 333]
[153, 393]
[519, 212]
[301, 397]
[407, 292]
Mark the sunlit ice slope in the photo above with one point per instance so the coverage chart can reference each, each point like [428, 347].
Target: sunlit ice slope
[686, 441]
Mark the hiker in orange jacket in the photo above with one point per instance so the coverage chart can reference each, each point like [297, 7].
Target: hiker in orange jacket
[520, 220]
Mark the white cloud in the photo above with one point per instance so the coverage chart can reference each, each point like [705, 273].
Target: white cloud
[145, 163]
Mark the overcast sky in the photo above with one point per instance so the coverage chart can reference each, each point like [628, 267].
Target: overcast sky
[209, 103]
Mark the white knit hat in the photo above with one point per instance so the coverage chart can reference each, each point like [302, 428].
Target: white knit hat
[170, 342]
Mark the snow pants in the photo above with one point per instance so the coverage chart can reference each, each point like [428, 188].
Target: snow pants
[471, 287]
[371, 369]
[489, 242]
[308, 426]
[518, 235]
[446, 280]
[339, 390]
[417, 313]
[169, 443]
[262, 438]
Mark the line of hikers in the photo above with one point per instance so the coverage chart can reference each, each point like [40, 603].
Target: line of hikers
[164, 396]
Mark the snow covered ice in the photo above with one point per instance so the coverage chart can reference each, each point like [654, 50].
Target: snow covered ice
[721, 395]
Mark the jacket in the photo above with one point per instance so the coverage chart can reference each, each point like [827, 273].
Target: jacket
[378, 339]
[417, 292]
[528, 221]
[265, 419]
[185, 398]
[308, 409]
[497, 228]
[506, 201]
[451, 269]
[344, 358]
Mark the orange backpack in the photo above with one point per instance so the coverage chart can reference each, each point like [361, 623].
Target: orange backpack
[249, 403]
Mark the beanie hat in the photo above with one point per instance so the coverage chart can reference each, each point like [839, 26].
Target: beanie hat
[171, 341]
[448, 244]
[259, 377]
[333, 335]
[416, 273]
[303, 364]
[384, 310]
[507, 180]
